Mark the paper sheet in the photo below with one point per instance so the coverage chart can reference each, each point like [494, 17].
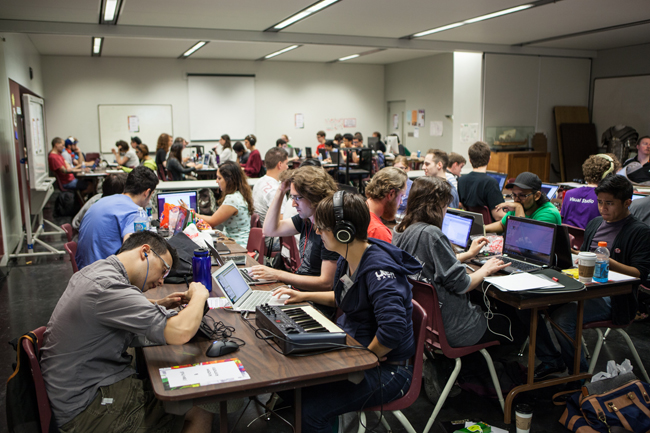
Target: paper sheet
[615, 276]
[204, 373]
[221, 302]
[521, 281]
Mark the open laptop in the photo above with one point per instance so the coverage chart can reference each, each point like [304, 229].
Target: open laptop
[307, 154]
[499, 177]
[528, 245]
[638, 196]
[237, 290]
[335, 157]
[549, 190]
[478, 227]
[175, 198]
[457, 229]
[217, 260]
[371, 142]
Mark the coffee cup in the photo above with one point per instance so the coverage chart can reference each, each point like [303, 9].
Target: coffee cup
[523, 417]
[586, 266]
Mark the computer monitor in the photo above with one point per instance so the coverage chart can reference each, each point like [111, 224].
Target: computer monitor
[499, 177]
[549, 190]
[478, 226]
[457, 229]
[372, 143]
[323, 152]
[529, 240]
[207, 159]
[392, 145]
[175, 198]
[307, 154]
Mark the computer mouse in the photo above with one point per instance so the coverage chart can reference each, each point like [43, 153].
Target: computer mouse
[221, 347]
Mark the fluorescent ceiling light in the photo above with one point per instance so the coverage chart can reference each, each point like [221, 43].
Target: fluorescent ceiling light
[194, 48]
[438, 29]
[110, 10]
[498, 14]
[353, 56]
[303, 14]
[282, 51]
[96, 49]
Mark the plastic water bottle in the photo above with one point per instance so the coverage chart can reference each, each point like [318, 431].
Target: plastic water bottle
[419, 153]
[141, 222]
[320, 157]
[601, 272]
[201, 268]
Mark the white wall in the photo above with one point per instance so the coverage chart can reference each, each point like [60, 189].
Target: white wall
[425, 83]
[468, 68]
[17, 55]
[522, 91]
[76, 85]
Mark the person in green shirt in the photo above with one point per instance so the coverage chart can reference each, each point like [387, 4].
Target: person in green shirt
[142, 150]
[529, 202]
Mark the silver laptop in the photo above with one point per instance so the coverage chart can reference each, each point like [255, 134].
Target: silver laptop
[478, 228]
[457, 229]
[217, 260]
[237, 290]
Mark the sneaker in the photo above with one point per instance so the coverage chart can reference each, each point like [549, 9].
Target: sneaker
[545, 369]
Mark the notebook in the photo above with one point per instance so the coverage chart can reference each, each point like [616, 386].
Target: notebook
[237, 290]
[457, 229]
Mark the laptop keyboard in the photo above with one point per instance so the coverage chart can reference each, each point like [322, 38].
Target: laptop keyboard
[257, 297]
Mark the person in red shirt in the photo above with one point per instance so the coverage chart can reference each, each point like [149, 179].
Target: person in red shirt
[320, 136]
[64, 172]
[253, 166]
[384, 194]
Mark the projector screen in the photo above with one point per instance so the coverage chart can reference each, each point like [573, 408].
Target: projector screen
[221, 104]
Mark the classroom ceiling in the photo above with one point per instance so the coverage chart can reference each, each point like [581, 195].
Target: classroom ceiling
[235, 29]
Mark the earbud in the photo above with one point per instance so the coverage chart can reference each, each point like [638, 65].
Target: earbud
[146, 255]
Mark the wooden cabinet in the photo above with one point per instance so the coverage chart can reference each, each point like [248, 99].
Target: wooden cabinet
[514, 163]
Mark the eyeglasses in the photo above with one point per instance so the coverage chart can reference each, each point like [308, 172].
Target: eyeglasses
[167, 267]
[296, 198]
[520, 196]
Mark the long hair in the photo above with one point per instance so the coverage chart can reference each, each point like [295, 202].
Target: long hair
[163, 142]
[236, 180]
[176, 152]
[427, 201]
[226, 138]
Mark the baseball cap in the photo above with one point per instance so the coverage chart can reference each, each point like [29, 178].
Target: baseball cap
[70, 141]
[136, 140]
[526, 180]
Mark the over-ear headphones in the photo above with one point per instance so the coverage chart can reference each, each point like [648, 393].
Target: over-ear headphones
[611, 164]
[344, 231]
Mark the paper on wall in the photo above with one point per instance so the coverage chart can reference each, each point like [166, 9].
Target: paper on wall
[435, 128]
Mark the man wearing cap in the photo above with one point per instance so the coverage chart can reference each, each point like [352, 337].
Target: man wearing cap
[135, 142]
[529, 202]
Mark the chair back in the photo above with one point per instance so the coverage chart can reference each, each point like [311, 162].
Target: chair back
[420, 321]
[71, 248]
[92, 156]
[578, 236]
[365, 159]
[256, 244]
[255, 220]
[67, 228]
[293, 262]
[483, 210]
[161, 173]
[44, 410]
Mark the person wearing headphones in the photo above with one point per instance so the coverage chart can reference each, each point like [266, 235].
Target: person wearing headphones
[90, 382]
[372, 290]
[580, 205]
[253, 166]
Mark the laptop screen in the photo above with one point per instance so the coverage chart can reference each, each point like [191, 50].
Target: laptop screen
[549, 190]
[188, 197]
[638, 196]
[499, 177]
[231, 282]
[477, 228]
[529, 239]
[457, 229]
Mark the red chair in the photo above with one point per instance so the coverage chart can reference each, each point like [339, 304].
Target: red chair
[71, 248]
[483, 210]
[44, 409]
[67, 228]
[436, 339]
[255, 220]
[161, 173]
[288, 246]
[578, 236]
[599, 344]
[396, 406]
[92, 157]
[256, 244]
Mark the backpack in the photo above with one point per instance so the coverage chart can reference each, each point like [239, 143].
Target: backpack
[262, 171]
[207, 202]
[64, 204]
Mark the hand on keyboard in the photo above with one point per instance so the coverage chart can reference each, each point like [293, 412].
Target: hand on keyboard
[494, 265]
[260, 272]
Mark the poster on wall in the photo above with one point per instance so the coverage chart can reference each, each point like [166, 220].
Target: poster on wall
[134, 124]
[416, 132]
[420, 118]
[299, 120]
[414, 117]
[468, 132]
[435, 128]
[350, 123]
[395, 121]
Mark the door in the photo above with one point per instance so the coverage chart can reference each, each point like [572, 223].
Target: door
[396, 119]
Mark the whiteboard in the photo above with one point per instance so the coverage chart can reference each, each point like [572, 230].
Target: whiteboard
[35, 140]
[121, 122]
[622, 100]
[221, 104]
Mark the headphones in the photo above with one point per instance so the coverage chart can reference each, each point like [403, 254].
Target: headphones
[611, 164]
[344, 231]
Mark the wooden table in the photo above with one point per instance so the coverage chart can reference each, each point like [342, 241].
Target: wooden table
[534, 303]
[268, 370]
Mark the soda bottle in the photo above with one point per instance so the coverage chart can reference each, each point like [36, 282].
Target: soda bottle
[601, 272]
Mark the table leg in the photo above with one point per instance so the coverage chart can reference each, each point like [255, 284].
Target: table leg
[532, 341]
[297, 405]
[577, 342]
[223, 416]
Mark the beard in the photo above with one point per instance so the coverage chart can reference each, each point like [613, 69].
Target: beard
[390, 210]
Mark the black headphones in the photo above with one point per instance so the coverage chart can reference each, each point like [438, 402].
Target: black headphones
[344, 231]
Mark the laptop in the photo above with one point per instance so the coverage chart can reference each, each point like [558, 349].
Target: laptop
[478, 227]
[307, 154]
[371, 142]
[323, 152]
[549, 190]
[499, 177]
[457, 229]
[175, 198]
[217, 260]
[638, 196]
[528, 245]
[335, 156]
[237, 290]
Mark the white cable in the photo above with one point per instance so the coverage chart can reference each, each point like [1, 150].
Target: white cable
[489, 314]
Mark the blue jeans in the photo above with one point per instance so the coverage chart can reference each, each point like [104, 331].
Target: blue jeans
[565, 317]
[322, 403]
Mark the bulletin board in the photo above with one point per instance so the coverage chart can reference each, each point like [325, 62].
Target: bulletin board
[121, 122]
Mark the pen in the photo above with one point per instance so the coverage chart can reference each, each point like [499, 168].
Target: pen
[469, 267]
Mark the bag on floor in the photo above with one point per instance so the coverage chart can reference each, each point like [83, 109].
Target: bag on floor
[479, 381]
[64, 205]
[621, 403]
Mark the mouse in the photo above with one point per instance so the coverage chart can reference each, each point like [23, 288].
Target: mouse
[221, 347]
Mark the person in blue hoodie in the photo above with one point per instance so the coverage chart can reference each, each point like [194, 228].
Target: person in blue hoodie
[372, 290]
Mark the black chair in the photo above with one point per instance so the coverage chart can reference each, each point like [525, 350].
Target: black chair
[358, 174]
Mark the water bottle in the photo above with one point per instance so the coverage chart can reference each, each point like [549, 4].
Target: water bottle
[141, 222]
[201, 268]
[419, 153]
[320, 157]
[601, 272]
[83, 165]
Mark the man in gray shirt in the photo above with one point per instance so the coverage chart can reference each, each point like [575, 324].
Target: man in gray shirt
[640, 208]
[87, 372]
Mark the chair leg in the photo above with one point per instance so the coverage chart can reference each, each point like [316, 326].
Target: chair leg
[495, 378]
[599, 345]
[402, 419]
[362, 422]
[443, 395]
[639, 364]
[584, 348]
[384, 421]
[523, 347]
[606, 333]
